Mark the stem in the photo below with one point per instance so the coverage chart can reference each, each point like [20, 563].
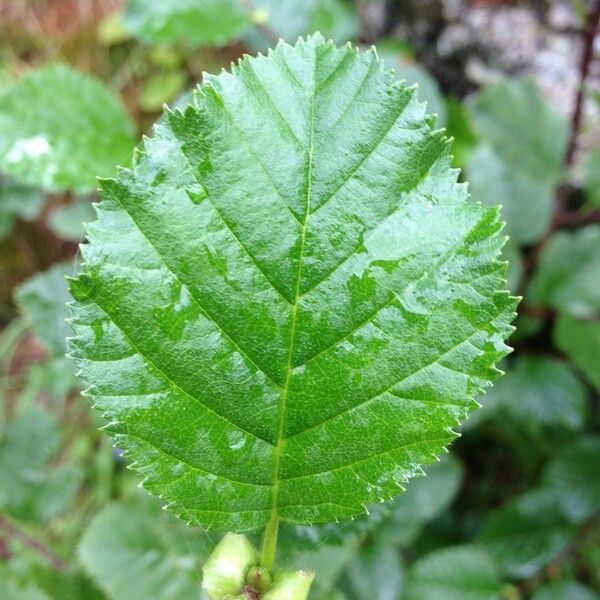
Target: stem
[269, 547]
[13, 531]
[589, 33]
[561, 216]
[270, 538]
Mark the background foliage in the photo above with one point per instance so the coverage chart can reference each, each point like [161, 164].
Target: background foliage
[513, 512]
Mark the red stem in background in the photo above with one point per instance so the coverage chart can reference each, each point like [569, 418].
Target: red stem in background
[589, 33]
[561, 217]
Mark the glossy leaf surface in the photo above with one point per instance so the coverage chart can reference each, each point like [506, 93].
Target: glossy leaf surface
[290, 267]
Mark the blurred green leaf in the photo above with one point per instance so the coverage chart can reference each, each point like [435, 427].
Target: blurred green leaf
[59, 129]
[30, 490]
[460, 128]
[406, 68]
[377, 572]
[112, 30]
[10, 591]
[544, 391]
[519, 161]
[522, 128]
[511, 253]
[573, 476]
[67, 221]
[137, 551]
[526, 202]
[424, 499]
[591, 177]
[27, 567]
[53, 380]
[565, 590]
[17, 201]
[289, 19]
[454, 573]
[568, 275]
[162, 88]
[526, 534]
[197, 22]
[42, 301]
[327, 558]
[580, 340]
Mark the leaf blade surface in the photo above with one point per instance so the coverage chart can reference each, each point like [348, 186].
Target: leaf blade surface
[310, 272]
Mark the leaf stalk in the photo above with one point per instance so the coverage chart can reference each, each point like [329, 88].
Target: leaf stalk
[269, 547]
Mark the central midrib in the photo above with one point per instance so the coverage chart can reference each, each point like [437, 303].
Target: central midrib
[274, 518]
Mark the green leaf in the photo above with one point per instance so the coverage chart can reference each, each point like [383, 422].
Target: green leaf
[459, 126]
[511, 253]
[59, 129]
[28, 568]
[328, 557]
[17, 201]
[331, 550]
[574, 477]
[67, 221]
[526, 534]
[11, 591]
[455, 573]
[289, 19]
[41, 300]
[197, 22]
[162, 87]
[591, 177]
[519, 161]
[565, 590]
[544, 391]
[424, 500]
[377, 573]
[526, 202]
[580, 340]
[407, 68]
[567, 275]
[29, 489]
[289, 267]
[515, 110]
[136, 551]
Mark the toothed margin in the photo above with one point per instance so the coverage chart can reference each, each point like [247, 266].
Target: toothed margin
[389, 84]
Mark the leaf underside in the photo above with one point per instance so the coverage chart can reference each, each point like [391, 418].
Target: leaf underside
[289, 302]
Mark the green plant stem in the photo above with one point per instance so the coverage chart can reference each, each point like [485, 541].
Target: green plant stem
[269, 547]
